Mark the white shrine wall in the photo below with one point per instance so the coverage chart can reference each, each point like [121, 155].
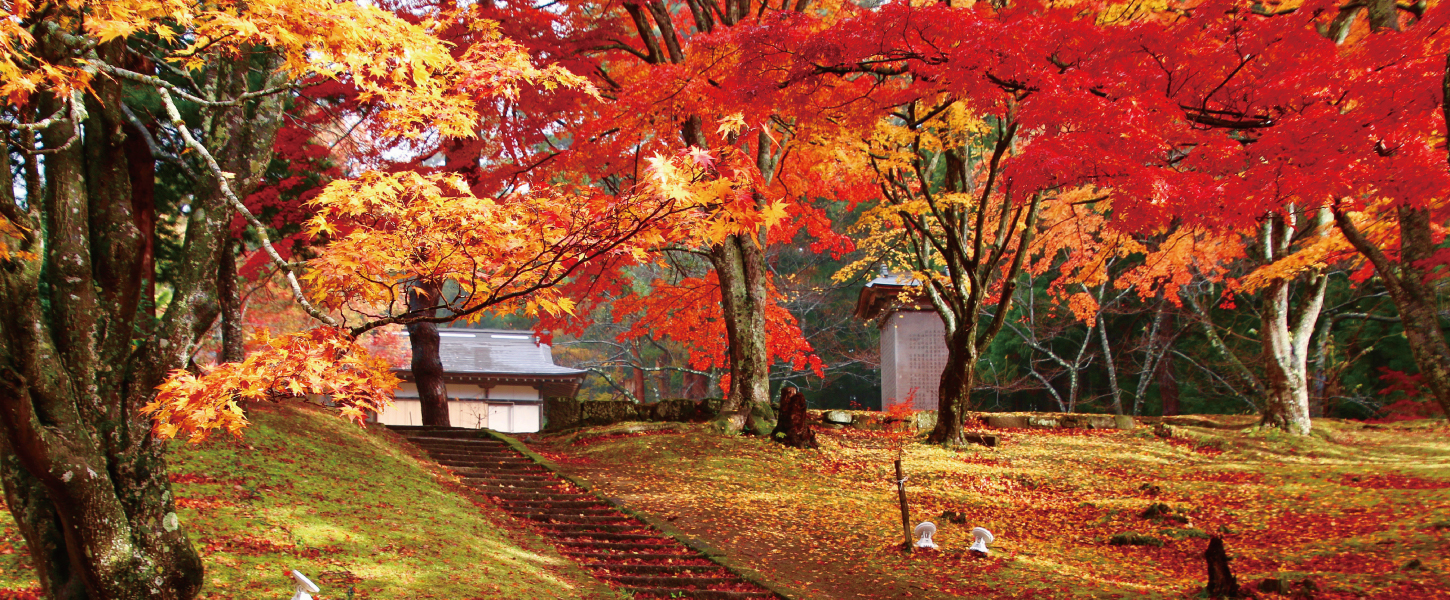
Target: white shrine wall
[913, 356]
[469, 406]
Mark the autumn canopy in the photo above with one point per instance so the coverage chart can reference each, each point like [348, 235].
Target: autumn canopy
[1085, 193]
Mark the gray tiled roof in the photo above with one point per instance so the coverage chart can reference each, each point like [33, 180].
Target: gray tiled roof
[496, 351]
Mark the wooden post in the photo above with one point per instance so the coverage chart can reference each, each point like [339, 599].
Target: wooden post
[905, 514]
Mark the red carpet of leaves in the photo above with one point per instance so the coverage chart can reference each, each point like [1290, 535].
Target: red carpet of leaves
[824, 524]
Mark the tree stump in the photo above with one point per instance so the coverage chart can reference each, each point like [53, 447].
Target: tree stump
[1221, 580]
[793, 427]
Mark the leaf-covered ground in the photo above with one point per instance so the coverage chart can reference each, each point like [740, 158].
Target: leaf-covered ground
[1361, 512]
[349, 507]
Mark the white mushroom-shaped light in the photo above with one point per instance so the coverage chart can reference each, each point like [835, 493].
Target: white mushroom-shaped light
[305, 587]
[983, 537]
[923, 533]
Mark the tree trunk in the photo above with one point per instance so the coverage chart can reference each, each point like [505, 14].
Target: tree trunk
[1221, 580]
[905, 512]
[1405, 281]
[1285, 339]
[427, 364]
[955, 391]
[1168, 386]
[1285, 370]
[80, 352]
[230, 295]
[740, 264]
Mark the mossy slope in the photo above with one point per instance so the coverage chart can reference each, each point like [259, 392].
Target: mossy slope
[352, 508]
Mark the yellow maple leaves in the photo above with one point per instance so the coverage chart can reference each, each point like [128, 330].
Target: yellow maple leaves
[402, 66]
[386, 231]
[722, 188]
[325, 363]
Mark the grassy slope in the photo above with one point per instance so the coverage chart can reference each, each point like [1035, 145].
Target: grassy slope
[350, 508]
[1348, 507]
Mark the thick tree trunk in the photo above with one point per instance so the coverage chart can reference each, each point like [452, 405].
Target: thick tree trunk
[427, 364]
[1285, 338]
[954, 394]
[1285, 368]
[80, 352]
[740, 264]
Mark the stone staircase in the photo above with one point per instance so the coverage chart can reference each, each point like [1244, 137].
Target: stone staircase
[619, 549]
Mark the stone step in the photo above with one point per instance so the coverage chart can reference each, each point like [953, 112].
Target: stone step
[504, 475]
[488, 472]
[626, 546]
[462, 445]
[566, 513]
[498, 455]
[577, 520]
[697, 594]
[617, 536]
[476, 463]
[567, 529]
[617, 556]
[552, 504]
[424, 432]
[507, 493]
[640, 581]
[517, 484]
[626, 568]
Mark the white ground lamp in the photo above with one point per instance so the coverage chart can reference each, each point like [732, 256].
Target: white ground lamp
[923, 533]
[983, 537]
[305, 587]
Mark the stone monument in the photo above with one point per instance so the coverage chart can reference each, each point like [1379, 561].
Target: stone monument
[913, 342]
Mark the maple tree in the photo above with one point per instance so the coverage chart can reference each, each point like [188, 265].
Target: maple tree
[665, 72]
[84, 346]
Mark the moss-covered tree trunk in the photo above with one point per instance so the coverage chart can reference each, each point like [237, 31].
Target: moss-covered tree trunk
[740, 264]
[81, 346]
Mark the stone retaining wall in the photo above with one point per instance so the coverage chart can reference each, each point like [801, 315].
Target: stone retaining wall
[570, 413]
[871, 420]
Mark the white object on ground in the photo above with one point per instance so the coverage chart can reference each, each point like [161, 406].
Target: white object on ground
[923, 533]
[983, 537]
[305, 587]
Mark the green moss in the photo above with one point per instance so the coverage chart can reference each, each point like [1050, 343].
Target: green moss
[351, 509]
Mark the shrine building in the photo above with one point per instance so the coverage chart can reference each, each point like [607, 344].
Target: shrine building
[496, 379]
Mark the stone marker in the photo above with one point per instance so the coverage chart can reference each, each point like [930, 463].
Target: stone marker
[923, 533]
[305, 587]
[983, 537]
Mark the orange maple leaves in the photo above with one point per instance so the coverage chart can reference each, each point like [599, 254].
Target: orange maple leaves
[325, 363]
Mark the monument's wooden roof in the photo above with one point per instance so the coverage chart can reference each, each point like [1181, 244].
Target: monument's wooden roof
[880, 296]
